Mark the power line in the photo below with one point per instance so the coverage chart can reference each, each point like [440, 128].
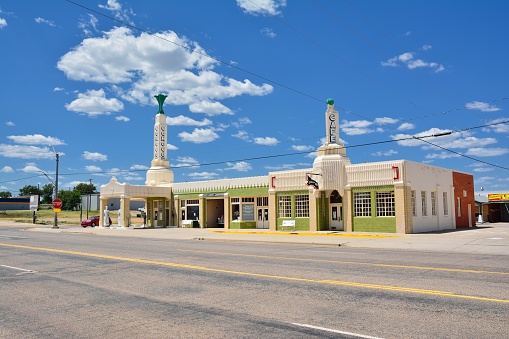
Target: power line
[298, 153]
[260, 76]
[461, 154]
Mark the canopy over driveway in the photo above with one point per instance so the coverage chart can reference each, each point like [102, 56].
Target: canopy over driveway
[126, 192]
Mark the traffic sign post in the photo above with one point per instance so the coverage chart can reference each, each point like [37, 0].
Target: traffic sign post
[57, 205]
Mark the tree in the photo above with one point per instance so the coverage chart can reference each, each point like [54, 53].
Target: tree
[70, 199]
[85, 189]
[29, 190]
[47, 193]
[5, 194]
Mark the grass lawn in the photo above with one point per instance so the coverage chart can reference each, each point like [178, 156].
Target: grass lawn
[46, 217]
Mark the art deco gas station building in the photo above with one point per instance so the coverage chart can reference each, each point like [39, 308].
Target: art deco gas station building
[398, 196]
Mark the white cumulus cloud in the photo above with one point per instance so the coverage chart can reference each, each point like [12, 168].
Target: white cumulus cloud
[45, 21]
[302, 148]
[487, 152]
[30, 169]
[122, 118]
[136, 66]
[267, 141]
[408, 59]
[210, 108]
[268, 32]
[35, 139]
[199, 136]
[406, 126]
[481, 106]
[94, 156]
[186, 121]
[7, 169]
[241, 166]
[27, 152]
[95, 103]
[261, 7]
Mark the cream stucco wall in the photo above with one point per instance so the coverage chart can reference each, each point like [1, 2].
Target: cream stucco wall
[422, 177]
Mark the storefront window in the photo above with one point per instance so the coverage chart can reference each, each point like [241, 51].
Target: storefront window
[385, 204]
[302, 206]
[243, 209]
[284, 206]
[362, 204]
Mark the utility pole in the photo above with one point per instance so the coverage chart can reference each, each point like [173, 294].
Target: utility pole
[55, 221]
[89, 197]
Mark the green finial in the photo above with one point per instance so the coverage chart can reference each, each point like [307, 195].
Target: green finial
[160, 100]
[330, 101]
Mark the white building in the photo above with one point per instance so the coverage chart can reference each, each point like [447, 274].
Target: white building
[397, 196]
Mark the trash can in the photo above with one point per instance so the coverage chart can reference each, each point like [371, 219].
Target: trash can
[196, 224]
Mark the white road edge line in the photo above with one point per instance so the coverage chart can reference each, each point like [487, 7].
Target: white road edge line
[17, 268]
[336, 331]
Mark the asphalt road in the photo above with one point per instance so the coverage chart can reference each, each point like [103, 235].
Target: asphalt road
[84, 285]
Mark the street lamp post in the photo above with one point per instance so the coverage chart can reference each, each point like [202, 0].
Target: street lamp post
[55, 220]
[89, 198]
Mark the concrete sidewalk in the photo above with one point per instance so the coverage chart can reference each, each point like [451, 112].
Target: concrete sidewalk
[485, 238]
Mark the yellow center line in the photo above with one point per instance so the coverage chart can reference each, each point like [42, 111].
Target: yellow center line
[352, 262]
[261, 275]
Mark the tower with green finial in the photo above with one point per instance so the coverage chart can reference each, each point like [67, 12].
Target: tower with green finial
[331, 156]
[160, 172]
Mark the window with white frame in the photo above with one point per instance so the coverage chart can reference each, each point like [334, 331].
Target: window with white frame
[446, 206]
[433, 203]
[424, 204]
[302, 206]
[284, 206]
[414, 208]
[385, 204]
[459, 206]
[362, 204]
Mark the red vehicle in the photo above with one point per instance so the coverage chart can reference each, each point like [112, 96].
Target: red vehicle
[92, 221]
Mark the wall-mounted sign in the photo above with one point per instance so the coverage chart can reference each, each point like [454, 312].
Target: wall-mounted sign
[331, 122]
[498, 197]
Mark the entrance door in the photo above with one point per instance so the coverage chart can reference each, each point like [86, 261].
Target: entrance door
[335, 211]
[335, 216]
[262, 219]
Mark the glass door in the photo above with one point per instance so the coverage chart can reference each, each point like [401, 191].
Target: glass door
[262, 217]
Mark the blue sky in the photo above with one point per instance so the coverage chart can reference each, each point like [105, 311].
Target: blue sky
[247, 82]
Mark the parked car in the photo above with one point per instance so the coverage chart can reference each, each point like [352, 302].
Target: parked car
[92, 221]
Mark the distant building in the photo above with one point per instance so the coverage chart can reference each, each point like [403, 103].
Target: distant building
[397, 196]
[493, 208]
[14, 204]
[92, 203]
